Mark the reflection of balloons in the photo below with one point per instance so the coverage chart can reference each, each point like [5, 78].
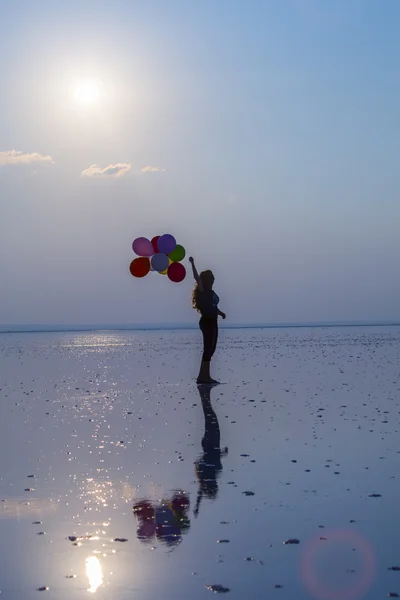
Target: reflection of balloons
[178, 253]
[142, 247]
[176, 272]
[165, 522]
[167, 528]
[159, 262]
[154, 243]
[139, 267]
[166, 243]
[169, 534]
[180, 502]
[146, 530]
[144, 510]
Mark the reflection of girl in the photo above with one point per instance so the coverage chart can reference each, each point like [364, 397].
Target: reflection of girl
[205, 301]
[209, 465]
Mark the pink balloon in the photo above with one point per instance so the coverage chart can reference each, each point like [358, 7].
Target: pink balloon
[143, 247]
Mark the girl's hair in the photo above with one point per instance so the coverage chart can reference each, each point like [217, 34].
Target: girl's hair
[207, 279]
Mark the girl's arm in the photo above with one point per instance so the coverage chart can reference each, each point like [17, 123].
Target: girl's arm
[221, 314]
[195, 274]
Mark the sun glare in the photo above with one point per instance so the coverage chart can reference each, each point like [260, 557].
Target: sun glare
[94, 573]
[87, 92]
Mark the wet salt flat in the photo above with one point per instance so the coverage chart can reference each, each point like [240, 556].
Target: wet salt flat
[119, 477]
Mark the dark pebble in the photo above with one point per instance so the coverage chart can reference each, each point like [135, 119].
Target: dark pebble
[375, 495]
[218, 589]
[247, 493]
[43, 589]
[292, 541]
[394, 569]
[120, 540]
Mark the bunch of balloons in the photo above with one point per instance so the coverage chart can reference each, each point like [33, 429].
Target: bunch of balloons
[162, 254]
[165, 521]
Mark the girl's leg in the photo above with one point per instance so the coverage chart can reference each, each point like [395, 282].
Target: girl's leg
[215, 339]
[207, 330]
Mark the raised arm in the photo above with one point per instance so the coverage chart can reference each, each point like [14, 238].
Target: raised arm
[195, 274]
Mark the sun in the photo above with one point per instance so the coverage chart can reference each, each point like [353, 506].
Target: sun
[87, 92]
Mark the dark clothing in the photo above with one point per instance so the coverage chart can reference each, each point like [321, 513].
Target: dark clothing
[208, 304]
[209, 329]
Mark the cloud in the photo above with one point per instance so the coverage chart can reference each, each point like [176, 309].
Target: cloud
[117, 170]
[150, 169]
[17, 157]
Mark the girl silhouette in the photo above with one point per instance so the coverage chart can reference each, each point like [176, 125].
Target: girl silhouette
[205, 301]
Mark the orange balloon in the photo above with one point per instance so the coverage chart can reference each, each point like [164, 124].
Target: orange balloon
[139, 267]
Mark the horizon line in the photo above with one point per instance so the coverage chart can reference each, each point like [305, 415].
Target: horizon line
[73, 327]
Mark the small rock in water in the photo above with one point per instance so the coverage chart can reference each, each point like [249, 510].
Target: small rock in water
[247, 493]
[218, 589]
[72, 538]
[278, 586]
[393, 595]
[375, 495]
[292, 541]
[120, 540]
[223, 541]
[43, 589]
[394, 569]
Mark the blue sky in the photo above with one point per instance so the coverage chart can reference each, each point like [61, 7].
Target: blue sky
[271, 129]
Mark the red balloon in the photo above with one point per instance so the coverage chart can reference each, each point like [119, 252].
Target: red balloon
[139, 267]
[176, 272]
[180, 502]
[143, 510]
[154, 242]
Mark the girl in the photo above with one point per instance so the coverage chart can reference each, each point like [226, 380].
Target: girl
[205, 301]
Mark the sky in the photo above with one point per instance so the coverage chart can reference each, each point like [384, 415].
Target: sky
[262, 134]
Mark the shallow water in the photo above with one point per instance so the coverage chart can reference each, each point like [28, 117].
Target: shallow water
[121, 478]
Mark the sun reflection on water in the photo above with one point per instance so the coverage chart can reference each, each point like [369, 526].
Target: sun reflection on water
[94, 573]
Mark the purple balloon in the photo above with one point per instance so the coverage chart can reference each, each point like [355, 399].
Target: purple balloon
[143, 247]
[166, 243]
[159, 262]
